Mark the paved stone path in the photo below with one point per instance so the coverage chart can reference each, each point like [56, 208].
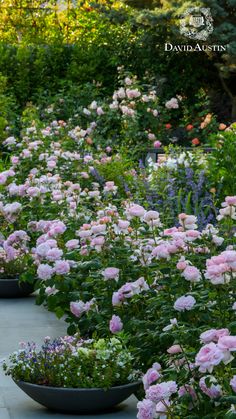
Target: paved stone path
[21, 320]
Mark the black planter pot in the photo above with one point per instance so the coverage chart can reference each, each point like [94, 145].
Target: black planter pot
[78, 400]
[12, 288]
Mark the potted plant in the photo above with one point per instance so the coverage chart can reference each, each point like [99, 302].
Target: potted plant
[69, 374]
[13, 264]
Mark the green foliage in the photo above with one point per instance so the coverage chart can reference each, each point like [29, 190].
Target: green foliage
[88, 43]
[7, 107]
[222, 170]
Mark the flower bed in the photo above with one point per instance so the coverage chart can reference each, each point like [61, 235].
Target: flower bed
[145, 254]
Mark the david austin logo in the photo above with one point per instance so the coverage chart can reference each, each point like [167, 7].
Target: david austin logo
[196, 23]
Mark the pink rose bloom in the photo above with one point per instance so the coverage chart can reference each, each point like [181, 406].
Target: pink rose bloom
[84, 175]
[100, 228]
[222, 332]
[146, 409]
[208, 336]
[117, 298]
[157, 144]
[111, 273]
[150, 377]
[83, 234]
[42, 249]
[3, 179]
[54, 254]
[188, 221]
[161, 391]
[15, 160]
[123, 224]
[227, 343]
[214, 391]
[98, 242]
[192, 274]
[209, 356]
[174, 349]
[161, 251]
[181, 265]
[57, 228]
[61, 267]
[170, 231]
[45, 271]
[152, 218]
[184, 303]
[230, 258]
[72, 244]
[100, 111]
[136, 211]
[116, 324]
[233, 383]
[230, 200]
[192, 235]
[77, 308]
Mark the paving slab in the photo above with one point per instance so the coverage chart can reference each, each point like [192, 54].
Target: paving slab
[22, 320]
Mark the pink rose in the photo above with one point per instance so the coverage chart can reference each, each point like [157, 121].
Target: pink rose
[54, 254]
[209, 356]
[184, 303]
[161, 391]
[174, 349]
[136, 211]
[116, 324]
[146, 409]
[227, 343]
[157, 144]
[208, 336]
[72, 244]
[230, 200]
[45, 271]
[62, 267]
[192, 274]
[181, 265]
[111, 273]
[150, 377]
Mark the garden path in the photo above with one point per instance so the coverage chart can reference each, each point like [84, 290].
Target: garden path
[22, 320]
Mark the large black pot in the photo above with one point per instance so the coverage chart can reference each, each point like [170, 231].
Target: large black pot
[78, 400]
[13, 288]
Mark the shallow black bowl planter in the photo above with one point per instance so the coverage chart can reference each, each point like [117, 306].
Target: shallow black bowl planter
[13, 288]
[78, 400]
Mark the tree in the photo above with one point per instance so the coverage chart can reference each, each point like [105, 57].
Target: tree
[224, 16]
